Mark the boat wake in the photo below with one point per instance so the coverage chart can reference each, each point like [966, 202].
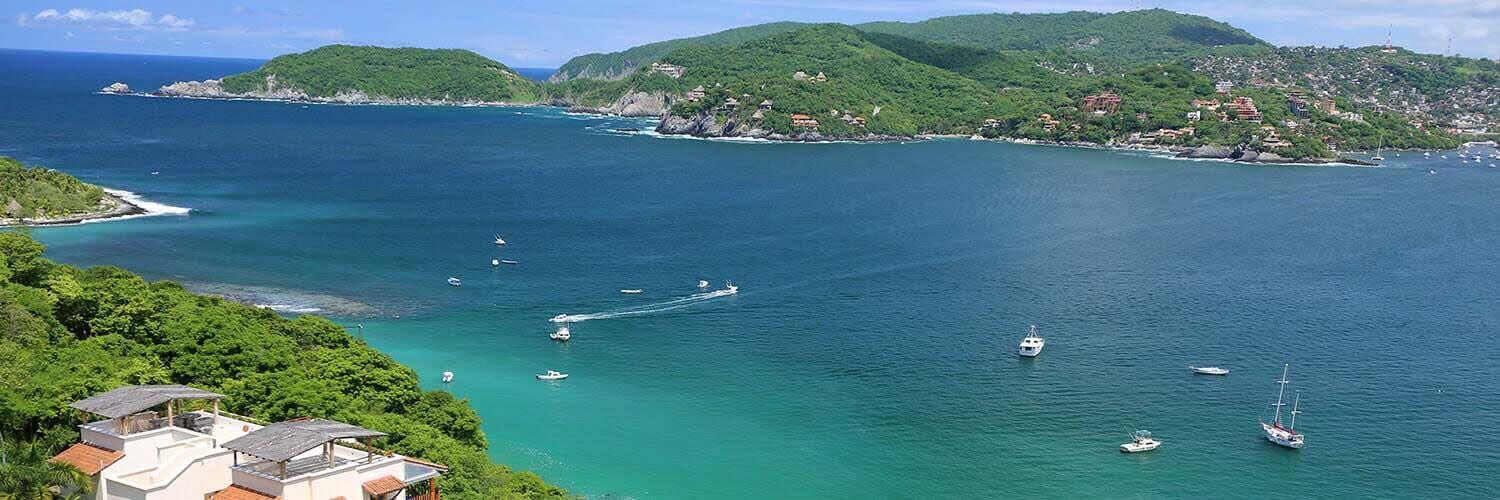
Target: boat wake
[641, 310]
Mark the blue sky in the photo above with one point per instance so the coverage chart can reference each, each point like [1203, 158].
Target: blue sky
[547, 33]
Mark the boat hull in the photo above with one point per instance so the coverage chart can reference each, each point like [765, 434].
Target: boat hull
[1139, 447]
[1282, 437]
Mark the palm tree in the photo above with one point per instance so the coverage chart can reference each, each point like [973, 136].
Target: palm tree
[27, 474]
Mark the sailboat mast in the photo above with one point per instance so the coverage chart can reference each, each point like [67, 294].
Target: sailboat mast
[1282, 393]
[1295, 402]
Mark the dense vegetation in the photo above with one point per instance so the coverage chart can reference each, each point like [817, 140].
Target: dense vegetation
[41, 192]
[400, 73]
[68, 333]
[616, 65]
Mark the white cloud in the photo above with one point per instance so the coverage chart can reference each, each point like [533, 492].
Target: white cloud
[131, 19]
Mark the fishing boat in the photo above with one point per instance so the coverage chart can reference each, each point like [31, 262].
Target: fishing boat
[455, 282]
[499, 241]
[1140, 441]
[730, 288]
[1032, 345]
[509, 262]
[702, 283]
[1209, 370]
[447, 377]
[631, 291]
[551, 375]
[561, 335]
[1284, 435]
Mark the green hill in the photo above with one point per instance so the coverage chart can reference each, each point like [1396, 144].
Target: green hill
[40, 192]
[616, 65]
[395, 73]
[1124, 37]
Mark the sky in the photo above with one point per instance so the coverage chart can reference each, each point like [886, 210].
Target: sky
[546, 33]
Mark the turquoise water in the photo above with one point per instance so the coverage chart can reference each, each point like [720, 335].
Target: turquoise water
[884, 289]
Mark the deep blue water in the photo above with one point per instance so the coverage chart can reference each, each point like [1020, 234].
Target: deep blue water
[870, 353]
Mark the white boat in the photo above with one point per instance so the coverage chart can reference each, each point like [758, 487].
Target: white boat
[561, 318]
[1431, 172]
[455, 281]
[631, 291]
[1286, 435]
[561, 335]
[447, 377]
[1140, 441]
[702, 283]
[499, 241]
[1032, 345]
[495, 262]
[730, 288]
[552, 375]
[1209, 370]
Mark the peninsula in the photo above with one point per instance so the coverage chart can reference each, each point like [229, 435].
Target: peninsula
[1149, 79]
[36, 196]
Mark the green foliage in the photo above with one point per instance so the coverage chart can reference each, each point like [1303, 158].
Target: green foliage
[399, 73]
[70, 333]
[41, 192]
[27, 474]
[616, 65]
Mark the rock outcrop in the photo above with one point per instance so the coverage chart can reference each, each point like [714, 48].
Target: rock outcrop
[707, 125]
[631, 104]
[116, 88]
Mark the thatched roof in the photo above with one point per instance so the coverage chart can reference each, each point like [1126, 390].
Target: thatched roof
[281, 441]
[132, 399]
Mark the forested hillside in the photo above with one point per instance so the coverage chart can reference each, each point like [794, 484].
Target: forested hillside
[396, 73]
[616, 65]
[28, 191]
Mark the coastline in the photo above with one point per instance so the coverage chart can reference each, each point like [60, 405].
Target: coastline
[125, 205]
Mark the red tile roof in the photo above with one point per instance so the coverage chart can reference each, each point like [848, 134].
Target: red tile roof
[88, 458]
[241, 493]
[382, 485]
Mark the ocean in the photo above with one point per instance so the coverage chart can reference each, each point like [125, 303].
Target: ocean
[870, 352]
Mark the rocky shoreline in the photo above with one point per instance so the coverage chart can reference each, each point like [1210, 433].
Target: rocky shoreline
[113, 207]
[213, 89]
[707, 126]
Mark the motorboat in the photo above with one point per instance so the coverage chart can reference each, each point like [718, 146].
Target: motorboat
[730, 288]
[447, 377]
[561, 318]
[1209, 370]
[1431, 172]
[455, 282]
[551, 375]
[1140, 441]
[1032, 345]
[1284, 435]
[561, 335]
[702, 283]
[631, 291]
[509, 262]
[495, 262]
[499, 241]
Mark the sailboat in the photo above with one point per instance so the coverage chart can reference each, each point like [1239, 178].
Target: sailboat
[1377, 156]
[499, 241]
[1275, 432]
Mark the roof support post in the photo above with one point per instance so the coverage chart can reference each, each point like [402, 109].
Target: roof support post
[170, 404]
[282, 466]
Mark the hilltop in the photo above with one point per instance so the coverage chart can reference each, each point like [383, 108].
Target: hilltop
[617, 65]
[355, 74]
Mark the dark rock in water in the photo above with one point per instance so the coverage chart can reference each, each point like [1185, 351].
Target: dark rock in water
[1208, 152]
[627, 130]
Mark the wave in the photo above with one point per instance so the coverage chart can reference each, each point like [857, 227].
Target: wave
[151, 207]
[653, 308]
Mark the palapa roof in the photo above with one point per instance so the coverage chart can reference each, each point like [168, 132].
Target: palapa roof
[281, 441]
[382, 485]
[132, 399]
[88, 458]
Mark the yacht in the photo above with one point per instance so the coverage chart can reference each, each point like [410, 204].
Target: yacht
[1140, 441]
[551, 375]
[632, 291]
[1032, 345]
[730, 288]
[1209, 370]
[499, 241]
[561, 318]
[561, 335]
[447, 377]
[455, 281]
[1275, 432]
[494, 262]
[702, 283]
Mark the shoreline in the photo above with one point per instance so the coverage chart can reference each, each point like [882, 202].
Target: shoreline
[127, 205]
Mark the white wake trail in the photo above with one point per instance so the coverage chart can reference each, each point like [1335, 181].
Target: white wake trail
[646, 308]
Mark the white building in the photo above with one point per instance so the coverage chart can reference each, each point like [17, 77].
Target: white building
[135, 455]
[1223, 86]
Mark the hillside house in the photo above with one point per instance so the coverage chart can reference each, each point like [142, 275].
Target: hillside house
[1208, 104]
[1244, 109]
[1104, 103]
[766, 105]
[697, 94]
[801, 120]
[1193, 116]
[800, 76]
[671, 70]
[1223, 87]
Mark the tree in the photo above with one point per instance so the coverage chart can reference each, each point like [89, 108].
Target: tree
[27, 474]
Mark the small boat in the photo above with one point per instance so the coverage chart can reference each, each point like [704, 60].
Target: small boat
[1209, 370]
[1275, 432]
[1431, 172]
[552, 375]
[702, 283]
[455, 282]
[561, 335]
[730, 288]
[631, 291]
[1377, 158]
[1032, 345]
[1140, 441]
[155, 172]
[494, 262]
[447, 377]
[509, 262]
[561, 318]
[499, 241]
